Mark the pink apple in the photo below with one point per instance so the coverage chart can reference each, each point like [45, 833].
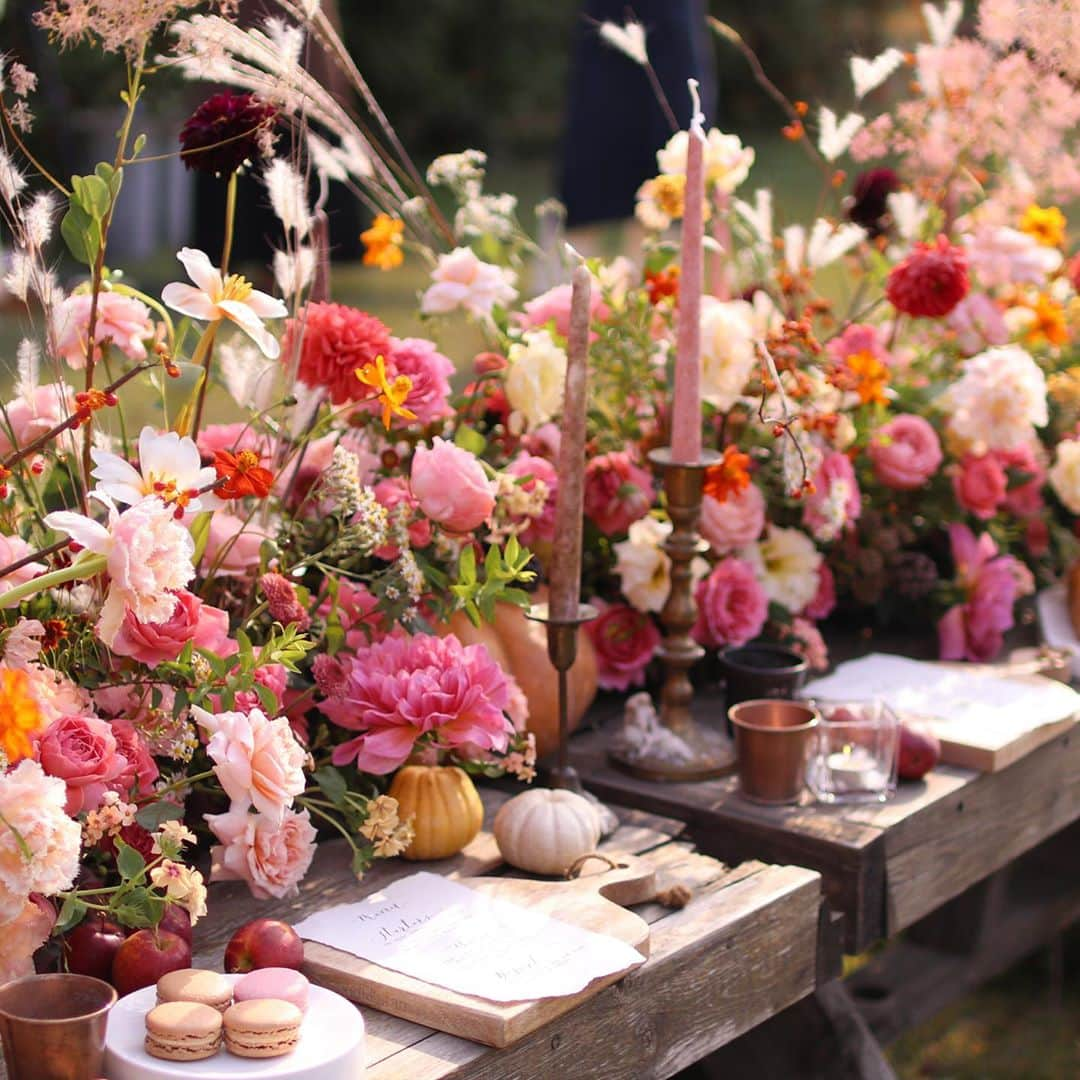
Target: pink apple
[920, 751]
[147, 955]
[264, 943]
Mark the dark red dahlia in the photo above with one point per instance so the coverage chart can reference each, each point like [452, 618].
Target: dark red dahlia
[337, 340]
[226, 131]
[869, 199]
[931, 281]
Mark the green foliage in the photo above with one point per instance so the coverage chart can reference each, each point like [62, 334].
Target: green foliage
[89, 208]
[478, 593]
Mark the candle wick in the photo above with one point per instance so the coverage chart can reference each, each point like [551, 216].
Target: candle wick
[697, 117]
[573, 254]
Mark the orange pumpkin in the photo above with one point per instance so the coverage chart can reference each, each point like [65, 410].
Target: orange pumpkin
[519, 646]
[444, 806]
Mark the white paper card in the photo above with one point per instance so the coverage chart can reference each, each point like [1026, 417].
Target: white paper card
[950, 697]
[455, 937]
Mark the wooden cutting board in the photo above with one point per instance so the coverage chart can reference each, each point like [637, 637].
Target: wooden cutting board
[593, 902]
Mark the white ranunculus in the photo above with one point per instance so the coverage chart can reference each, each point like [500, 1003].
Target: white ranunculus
[787, 564]
[535, 378]
[1064, 475]
[727, 350]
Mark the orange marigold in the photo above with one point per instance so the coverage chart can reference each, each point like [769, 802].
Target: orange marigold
[20, 715]
[728, 476]
[242, 475]
[871, 377]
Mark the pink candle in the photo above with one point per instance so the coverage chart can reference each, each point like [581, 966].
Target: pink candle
[686, 406]
[565, 574]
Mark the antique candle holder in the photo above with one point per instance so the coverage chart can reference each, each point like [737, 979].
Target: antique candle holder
[696, 752]
[562, 639]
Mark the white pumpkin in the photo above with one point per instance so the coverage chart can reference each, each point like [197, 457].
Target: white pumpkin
[544, 830]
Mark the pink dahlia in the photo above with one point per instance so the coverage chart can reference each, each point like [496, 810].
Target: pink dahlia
[618, 491]
[931, 281]
[403, 688]
[335, 341]
[428, 371]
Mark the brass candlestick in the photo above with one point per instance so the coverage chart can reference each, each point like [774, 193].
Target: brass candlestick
[562, 635]
[704, 752]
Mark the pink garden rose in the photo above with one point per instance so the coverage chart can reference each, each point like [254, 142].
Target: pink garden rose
[625, 640]
[554, 307]
[824, 601]
[271, 856]
[258, 761]
[12, 549]
[28, 417]
[451, 487]
[735, 522]
[835, 502]
[979, 483]
[204, 626]
[618, 492]
[732, 605]
[122, 321]
[905, 452]
[82, 751]
[537, 468]
[141, 770]
[428, 370]
[1026, 475]
[402, 688]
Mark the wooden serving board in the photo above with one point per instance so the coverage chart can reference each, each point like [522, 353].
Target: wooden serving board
[595, 901]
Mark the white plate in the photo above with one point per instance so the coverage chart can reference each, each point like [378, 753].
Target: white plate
[331, 1045]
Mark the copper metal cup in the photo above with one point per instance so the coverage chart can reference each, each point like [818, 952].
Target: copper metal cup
[53, 1026]
[773, 739]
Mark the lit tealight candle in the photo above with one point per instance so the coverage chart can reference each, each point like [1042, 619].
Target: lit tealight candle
[852, 768]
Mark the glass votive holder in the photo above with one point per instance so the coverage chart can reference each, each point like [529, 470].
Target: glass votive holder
[854, 757]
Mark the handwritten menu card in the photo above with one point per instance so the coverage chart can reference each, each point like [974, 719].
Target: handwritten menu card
[455, 937]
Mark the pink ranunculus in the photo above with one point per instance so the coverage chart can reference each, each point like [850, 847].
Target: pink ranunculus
[1027, 475]
[28, 417]
[859, 338]
[618, 492]
[735, 522]
[141, 770]
[835, 502]
[625, 640]
[258, 761]
[82, 751]
[121, 321]
[429, 372]
[978, 324]
[12, 549]
[402, 688]
[451, 487]
[233, 544]
[905, 452]
[204, 626]
[272, 856]
[732, 605]
[554, 307]
[824, 601]
[23, 936]
[980, 485]
[395, 494]
[537, 468]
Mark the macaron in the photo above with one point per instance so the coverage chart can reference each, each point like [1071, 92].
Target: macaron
[183, 1031]
[195, 984]
[285, 984]
[262, 1028]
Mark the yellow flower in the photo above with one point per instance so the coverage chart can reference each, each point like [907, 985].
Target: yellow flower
[1045, 224]
[383, 241]
[20, 716]
[391, 395]
[1048, 324]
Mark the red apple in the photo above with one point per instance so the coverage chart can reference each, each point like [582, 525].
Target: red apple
[146, 956]
[264, 943]
[177, 921]
[920, 751]
[90, 948]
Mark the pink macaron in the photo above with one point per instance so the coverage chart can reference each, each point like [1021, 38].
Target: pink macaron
[284, 984]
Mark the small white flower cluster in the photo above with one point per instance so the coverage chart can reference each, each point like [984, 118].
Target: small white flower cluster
[341, 484]
[458, 171]
[411, 574]
[487, 215]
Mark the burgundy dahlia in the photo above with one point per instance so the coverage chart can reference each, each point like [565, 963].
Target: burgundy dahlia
[226, 131]
[870, 199]
[931, 281]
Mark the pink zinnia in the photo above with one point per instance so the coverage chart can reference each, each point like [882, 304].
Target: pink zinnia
[403, 688]
[336, 340]
[931, 281]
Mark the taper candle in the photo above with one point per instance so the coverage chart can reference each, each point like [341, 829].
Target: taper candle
[686, 404]
[565, 574]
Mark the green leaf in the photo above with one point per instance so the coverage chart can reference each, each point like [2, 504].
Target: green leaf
[94, 196]
[139, 908]
[470, 439]
[267, 698]
[467, 565]
[152, 816]
[81, 234]
[128, 861]
[332, 784]
[361, 860]
[140, 142]
[71, 914]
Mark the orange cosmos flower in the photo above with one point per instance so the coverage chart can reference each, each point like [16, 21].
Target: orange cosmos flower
[383, 242]
[242, 475]
[391, 395]
[20, 716]
[1049, 323]
[728, 476]
[871, 377]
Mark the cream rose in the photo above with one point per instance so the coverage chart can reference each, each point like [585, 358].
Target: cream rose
[1064, 474]
[727, 350]
[535, 378]
[788, 565]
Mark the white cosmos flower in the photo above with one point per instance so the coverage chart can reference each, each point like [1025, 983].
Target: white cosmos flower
[788, 565]
[169, 469]
[234, 298]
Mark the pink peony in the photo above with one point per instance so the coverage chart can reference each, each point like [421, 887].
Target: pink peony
[978, 324]
[258, 762]
[462, 279]
[835, 502]
[980, 483]
[141, 770]
[204, 626]
[554, 307]
[233, 545]
[12, 549]
[403, 688]
[22, 936]
[83, 752]
[732, 605]
[824, 601]
[858, 338]
[617, 492]
[121, 321]
[537, 468]
[429, 372]
[451, 487]
[735, 522]
[271, 856]
[27, 418]
[905, 452]
[625, 640]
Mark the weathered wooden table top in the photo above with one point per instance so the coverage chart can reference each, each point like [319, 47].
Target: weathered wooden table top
[885, 865]
[742, 950]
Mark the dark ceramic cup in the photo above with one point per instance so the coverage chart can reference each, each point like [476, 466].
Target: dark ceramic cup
[753, 672]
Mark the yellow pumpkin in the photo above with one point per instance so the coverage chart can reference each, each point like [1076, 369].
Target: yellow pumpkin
[519, 647]
[444, 806]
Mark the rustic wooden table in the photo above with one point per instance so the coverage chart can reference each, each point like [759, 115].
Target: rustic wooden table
[744, 949]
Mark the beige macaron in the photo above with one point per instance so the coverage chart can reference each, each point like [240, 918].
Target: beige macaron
[262, 1028]
[183, 1031]
[195, 984]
